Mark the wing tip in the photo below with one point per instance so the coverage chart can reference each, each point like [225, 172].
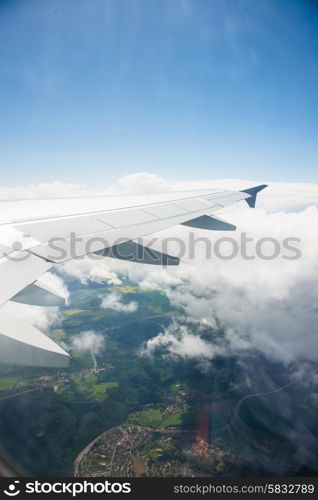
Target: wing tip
[253, 192]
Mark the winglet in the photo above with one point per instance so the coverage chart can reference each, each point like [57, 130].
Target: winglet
[253, 193]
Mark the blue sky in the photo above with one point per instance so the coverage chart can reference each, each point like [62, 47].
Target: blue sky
[190, 89]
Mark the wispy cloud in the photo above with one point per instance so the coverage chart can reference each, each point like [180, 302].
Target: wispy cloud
[115, 302]
[88, 341]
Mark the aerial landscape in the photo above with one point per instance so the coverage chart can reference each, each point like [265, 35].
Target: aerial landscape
[158, 241]
[119, 411]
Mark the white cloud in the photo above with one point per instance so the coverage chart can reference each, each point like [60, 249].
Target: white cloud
[88, 341]
[177, 340]
[144, 183]
[45, 190]
[138, 183]
[264, 305]
[56, 284]
[114, 302]
[280, 195]
[88, 270]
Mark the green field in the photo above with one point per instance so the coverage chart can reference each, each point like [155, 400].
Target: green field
[7, 383]
[98, 392]
[149, 418]
[173, 420]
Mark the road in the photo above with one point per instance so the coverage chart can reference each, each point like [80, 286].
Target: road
[18, 394]
[258, 394]
[80, 457]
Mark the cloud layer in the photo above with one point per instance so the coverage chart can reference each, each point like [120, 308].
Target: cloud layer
[267, 305]
[263, 305]
[278, 195]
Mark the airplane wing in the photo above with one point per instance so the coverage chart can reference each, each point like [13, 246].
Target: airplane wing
[29, 248]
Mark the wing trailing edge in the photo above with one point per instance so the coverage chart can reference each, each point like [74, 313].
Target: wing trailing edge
[210, 223]
[39, 294]
[23, 344]
[134, 252]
